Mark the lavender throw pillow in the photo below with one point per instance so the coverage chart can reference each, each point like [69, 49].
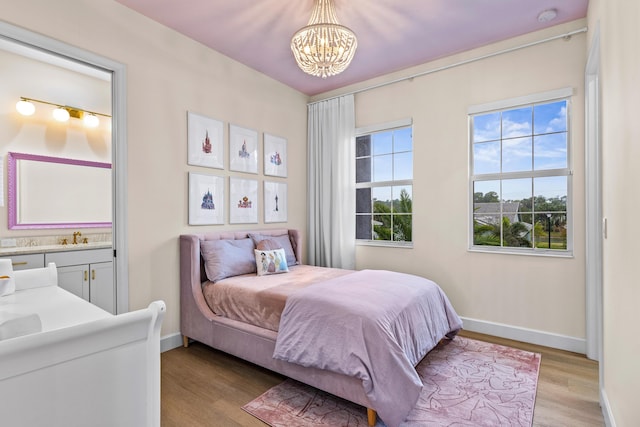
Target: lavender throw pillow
[227, 258]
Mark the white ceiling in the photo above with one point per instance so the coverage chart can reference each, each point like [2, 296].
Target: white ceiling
[392, 34]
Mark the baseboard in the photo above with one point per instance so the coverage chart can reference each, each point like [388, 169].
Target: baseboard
[547, 339]
[609, 421]
[170, 342]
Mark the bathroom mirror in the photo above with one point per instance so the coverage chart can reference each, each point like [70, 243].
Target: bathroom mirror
[52, 192]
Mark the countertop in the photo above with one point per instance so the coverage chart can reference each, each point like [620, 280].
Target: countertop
[24, 250]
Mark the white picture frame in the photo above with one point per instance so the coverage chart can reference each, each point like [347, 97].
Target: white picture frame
[243, 201]
[275, 155]
[205, 141]
[206, 199]
[243, 149]
[275, 201]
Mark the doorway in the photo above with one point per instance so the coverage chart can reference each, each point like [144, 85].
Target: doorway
[62, 52]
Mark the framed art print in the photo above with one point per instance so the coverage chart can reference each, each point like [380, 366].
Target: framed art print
[206, 199]
[205, 141]
[275, 155]
[275, 201]
[243, 149]
[243, 200]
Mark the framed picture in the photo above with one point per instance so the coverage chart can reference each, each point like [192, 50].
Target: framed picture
[275, 155]
[206, 199]
[243, 149]
[205, 141]
[243, 200]
[275, 201]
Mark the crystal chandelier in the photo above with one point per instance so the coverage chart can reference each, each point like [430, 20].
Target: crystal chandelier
[324, 47]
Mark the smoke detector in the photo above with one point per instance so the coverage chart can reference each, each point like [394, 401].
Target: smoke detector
[547, 15]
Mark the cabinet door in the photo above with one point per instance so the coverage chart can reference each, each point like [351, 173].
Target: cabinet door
[102, 292]
[75, 279]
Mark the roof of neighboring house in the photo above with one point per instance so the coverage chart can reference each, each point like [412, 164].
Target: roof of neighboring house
[489, 212]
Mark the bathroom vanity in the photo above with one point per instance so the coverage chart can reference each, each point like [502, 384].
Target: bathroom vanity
[85, 270]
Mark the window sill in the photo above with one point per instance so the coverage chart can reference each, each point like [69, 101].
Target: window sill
[537, 253]
[385, 244]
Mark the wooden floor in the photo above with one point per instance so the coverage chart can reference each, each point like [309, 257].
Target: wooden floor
[204, 387]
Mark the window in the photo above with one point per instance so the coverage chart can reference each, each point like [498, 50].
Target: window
[384, 183]
[520, 176]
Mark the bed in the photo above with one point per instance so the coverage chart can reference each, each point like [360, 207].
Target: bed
[64, 361]
[273, 320]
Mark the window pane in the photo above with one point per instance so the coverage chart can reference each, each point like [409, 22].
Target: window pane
[402, 200]
[363, 200]
[515, 234]
[486, 197]
[363, 226]
[403, 166]
[517, 122]
[402, 140]
[486, 157]
[382, 168]
[550, 194]
[550, 117]
[381, 199]
[486, 229]
[486, 127]
[363, 146]
[402, 228]
[382, 143]
[550, 151]
[515, 190]
[382, 227]
[363, 169]
[517, 155]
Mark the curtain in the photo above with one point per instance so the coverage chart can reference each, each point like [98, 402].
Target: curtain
[331, 183]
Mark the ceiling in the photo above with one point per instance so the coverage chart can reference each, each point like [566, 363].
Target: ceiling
[392, 34]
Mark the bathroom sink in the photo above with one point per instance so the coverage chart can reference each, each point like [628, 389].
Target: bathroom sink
[17, 324]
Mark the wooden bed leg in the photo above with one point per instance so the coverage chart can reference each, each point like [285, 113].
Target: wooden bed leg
[185, 341]
[371, 417]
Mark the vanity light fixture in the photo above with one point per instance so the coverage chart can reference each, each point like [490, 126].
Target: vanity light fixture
[61, 113]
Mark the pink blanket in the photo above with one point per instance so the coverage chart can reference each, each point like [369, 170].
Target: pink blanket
[373, 325]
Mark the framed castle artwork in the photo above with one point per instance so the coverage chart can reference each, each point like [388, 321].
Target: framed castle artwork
[243, 149]
[275, 155]
[275, 201]
[205, 141]
[206, 199]
[243, 201]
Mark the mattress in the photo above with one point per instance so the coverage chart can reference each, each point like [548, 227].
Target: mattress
[259, 300]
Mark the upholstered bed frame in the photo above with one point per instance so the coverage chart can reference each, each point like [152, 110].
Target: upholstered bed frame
[245, 341]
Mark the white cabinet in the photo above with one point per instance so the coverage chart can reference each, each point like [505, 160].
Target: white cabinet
[88, 274]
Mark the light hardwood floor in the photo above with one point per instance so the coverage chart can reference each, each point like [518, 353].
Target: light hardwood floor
[205, 387]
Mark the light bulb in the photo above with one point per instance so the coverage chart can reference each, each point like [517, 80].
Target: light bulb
[25, 107]
[91, 120]
[61, 114]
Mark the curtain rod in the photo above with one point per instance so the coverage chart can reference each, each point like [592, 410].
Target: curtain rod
[457, 64]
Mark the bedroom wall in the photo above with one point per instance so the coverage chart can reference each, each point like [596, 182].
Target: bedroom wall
[543, 294]
[620, 91]
[167, 75]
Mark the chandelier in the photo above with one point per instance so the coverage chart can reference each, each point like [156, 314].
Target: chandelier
[324, 47]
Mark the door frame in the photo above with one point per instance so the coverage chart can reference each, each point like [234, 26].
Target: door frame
[118, 140]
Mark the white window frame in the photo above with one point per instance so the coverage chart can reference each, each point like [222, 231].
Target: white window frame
[508, 104]
[382, 127]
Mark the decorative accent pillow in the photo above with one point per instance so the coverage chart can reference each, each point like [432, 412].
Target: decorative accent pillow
[226, 258]
[271, 262]
[267, 245]
[282, 242]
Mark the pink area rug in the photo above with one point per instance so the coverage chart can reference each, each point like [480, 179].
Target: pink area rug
[466, 383]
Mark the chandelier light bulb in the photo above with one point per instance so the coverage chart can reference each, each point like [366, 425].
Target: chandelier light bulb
[61, 114]
[25, 107]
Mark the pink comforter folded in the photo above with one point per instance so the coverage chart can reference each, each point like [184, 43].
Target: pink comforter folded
[375, 325]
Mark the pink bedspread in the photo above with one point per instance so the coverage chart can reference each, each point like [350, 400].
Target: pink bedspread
[259, 300]
[374, 325]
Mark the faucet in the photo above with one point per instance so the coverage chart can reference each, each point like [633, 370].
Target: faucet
[75, 237]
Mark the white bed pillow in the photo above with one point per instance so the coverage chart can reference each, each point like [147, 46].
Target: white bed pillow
[271, 262]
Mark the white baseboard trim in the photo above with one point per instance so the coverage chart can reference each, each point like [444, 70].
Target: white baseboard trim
[169, 342]
[609, 421]
[547, 339]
